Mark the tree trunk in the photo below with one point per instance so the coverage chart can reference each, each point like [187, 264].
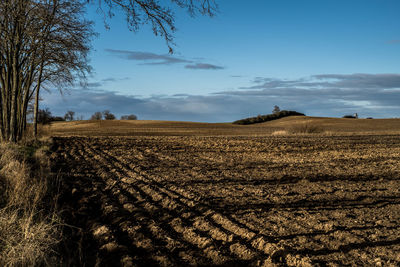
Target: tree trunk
[36, 106]
[14, 94]
[35, 113]
[1, 117]
[6, 102]
[16, 45]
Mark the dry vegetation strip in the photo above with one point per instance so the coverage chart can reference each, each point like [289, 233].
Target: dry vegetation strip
[28, 227]
[288, 125]
[297, 200]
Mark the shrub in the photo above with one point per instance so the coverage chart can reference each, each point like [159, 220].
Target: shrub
[129, 117]
[349, 117]
[270, 117]
[44, 116]
[305, 128]
[57, 119]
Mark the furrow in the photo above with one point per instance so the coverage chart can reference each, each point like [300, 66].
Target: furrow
[220, 223]
[154, 205]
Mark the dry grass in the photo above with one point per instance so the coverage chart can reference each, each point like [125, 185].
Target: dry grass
[296, 124]
[28, 229]
[280, 133]
[301, 129]
[335, 125]
[305, 128]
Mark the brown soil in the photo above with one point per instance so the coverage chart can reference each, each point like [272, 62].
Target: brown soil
[333, 126]
[238, 200]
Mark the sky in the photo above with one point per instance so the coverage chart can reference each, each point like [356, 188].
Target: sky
[325, 58]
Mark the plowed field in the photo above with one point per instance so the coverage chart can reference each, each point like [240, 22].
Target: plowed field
[180, 200]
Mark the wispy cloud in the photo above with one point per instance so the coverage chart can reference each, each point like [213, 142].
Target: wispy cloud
[393, 41]
[109, 80]
[94, 84]
[334, 81]
[99, 84]
[360, 80]
[147, 57]
[203, 66]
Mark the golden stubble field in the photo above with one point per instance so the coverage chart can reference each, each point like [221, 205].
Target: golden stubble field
[232, 197]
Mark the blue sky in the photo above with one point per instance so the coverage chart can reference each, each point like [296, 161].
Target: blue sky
[319, 57]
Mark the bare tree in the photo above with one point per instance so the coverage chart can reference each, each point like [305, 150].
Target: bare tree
[276, 109]
[65, 42]
[97, 116]
[108, 115]
[43, 43]
[80, 118]
[69, 116]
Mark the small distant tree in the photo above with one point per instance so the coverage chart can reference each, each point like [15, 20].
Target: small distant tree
[276, 110]
[69, 116]
[97, 116]
[131, 117]
[108, 115]
[80, 118]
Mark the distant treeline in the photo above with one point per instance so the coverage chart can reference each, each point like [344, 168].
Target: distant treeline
[269, 117]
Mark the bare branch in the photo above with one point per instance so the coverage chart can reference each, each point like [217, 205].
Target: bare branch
[160, 17]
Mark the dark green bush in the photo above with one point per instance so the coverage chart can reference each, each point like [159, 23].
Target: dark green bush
[269, 117]
[349, 117]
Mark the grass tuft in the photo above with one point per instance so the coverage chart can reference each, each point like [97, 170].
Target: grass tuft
[279, 133]
[29, 228]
